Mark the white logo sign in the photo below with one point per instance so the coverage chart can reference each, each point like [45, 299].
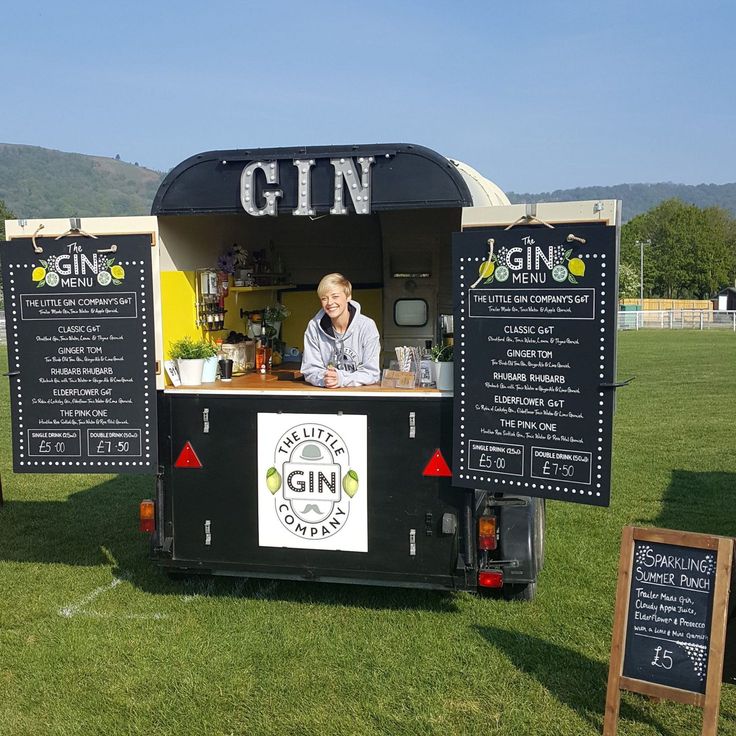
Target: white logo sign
[313, 481]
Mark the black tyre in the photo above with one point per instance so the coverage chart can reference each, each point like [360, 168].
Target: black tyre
[522, 592]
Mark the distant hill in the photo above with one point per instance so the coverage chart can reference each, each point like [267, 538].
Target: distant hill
[638, 198]
[40, 182]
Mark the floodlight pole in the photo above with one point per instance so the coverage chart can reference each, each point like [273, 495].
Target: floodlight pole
[641, 244]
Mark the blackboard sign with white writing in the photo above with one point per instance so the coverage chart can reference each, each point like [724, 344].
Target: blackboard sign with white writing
[535, 331]
[669, 615]
[669, 625]
[81, 356]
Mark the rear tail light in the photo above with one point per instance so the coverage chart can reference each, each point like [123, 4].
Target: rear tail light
[490, 579]
[147, 516]
[487, 532]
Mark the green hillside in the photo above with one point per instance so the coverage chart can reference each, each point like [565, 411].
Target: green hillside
[638, 198]
[40, 182]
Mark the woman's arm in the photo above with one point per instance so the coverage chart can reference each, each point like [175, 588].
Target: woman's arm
[370, 369]
[313, 367]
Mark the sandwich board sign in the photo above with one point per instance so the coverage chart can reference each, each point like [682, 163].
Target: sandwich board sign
[670, 620]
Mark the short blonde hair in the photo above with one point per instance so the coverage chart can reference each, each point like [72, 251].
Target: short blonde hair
[334, 280]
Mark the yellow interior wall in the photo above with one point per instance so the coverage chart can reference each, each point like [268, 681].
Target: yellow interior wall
[178, 314]
[305, 304]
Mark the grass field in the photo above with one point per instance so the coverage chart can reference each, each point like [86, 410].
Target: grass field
[95, 640]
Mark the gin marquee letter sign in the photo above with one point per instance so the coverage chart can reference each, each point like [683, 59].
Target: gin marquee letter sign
[355, 176]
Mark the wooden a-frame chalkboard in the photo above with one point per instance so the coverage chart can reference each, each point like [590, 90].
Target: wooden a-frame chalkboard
[669, 626]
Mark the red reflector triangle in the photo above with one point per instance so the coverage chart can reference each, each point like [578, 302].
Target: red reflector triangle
[437, 466]
[187, 458]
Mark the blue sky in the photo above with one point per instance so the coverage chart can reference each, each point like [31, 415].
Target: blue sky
[535, 95]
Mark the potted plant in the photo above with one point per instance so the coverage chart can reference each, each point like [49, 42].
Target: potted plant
[273, 316]
[190, 356]
[443, 367]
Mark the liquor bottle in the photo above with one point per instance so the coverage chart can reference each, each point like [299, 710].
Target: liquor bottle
[425, 365]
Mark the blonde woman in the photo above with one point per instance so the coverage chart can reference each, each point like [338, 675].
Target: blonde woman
[341, 346]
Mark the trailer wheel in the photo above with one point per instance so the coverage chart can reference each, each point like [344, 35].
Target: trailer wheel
[522, 592]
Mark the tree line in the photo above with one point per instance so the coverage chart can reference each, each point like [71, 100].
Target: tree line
[689, 251]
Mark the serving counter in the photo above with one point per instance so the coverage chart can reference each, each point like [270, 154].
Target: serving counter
[281, 381]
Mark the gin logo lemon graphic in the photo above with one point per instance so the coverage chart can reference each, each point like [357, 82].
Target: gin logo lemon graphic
[77, 269]
[507, 263]
[311, 481]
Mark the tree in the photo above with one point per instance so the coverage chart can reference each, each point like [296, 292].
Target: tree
[689, 252]
[5, 214]
[628, 282]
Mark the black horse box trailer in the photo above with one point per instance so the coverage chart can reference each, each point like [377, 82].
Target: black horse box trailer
[261, 477]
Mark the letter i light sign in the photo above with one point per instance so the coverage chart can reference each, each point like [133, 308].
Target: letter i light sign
[313, 481]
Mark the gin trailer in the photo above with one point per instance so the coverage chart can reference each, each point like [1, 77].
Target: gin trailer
[271, 478]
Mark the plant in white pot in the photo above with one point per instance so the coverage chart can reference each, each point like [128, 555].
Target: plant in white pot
[190, 356]
[443, 366]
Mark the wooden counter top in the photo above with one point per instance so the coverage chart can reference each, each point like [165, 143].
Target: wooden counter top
[255, 383]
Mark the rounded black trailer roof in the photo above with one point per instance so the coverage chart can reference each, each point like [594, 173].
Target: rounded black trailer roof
[402, 176]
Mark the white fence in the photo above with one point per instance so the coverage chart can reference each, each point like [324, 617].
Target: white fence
[678, 319]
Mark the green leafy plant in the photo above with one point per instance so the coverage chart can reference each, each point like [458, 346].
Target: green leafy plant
[187, 348]
[442, 353]
[275, 313]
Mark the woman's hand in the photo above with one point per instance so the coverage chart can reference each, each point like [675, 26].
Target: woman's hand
[330, 378]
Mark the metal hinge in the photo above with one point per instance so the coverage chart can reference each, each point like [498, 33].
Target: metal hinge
[412, 425]
[206, 420]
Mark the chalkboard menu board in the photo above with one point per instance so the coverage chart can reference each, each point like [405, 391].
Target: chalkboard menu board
[669, 628]
[81, 356]
[535, 335]
[669, 615]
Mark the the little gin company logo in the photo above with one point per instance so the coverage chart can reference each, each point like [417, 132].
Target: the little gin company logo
[312, 481]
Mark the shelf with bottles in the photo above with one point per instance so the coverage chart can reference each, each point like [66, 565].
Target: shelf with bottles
[211, 316]
[211, 289]
[272, 287]
[237, 290]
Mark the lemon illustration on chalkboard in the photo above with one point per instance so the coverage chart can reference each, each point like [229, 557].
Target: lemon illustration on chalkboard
[502, 273]
[118, 272]
[273, 480]
[559, 273]
[104, 278]
[39, 273]
[486, 269]
[350, 483]
[52, 279]
[576, 266]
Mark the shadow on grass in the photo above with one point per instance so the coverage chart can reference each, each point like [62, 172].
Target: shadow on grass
[575, 680]
[698, 502]
[99, 526]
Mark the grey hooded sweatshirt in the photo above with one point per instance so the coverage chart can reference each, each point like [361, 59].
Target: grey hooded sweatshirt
[356, 354]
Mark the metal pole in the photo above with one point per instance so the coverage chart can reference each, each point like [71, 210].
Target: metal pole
[641, 274]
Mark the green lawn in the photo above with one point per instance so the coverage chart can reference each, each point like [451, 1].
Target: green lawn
[95, 640]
